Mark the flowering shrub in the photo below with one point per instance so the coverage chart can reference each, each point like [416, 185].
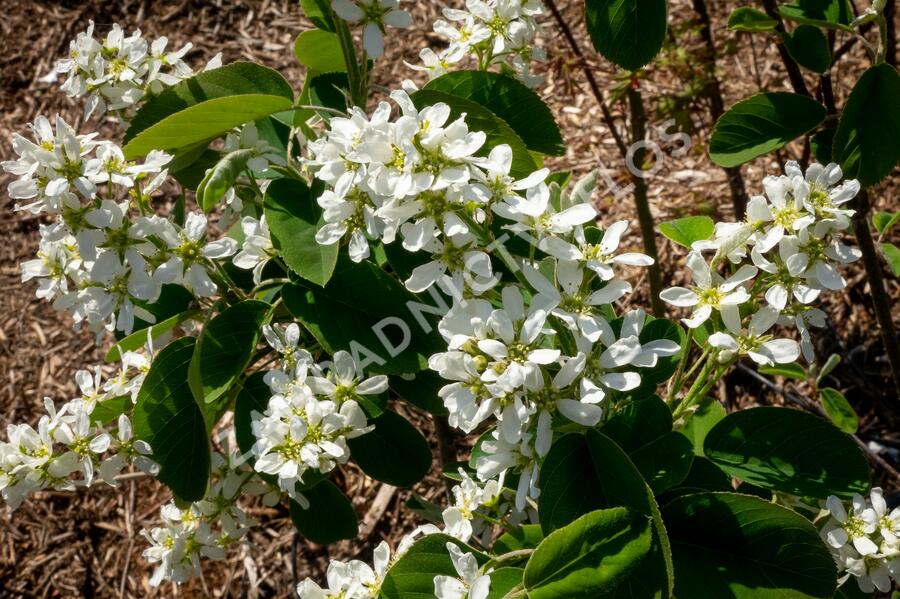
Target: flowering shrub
[412, 248]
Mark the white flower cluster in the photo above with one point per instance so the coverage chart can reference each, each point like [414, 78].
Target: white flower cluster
[207, 528]
[358, 580]
[106, 252]
[865, 542]
[70, 447]
[374, 16]
[497, 33]
[419, 177]
[311, 414]
[792, 237]
[119, 71]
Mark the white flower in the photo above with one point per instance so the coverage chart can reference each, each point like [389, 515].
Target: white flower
[533, 214]
[375, 15]
[469, 585]
[257, 249]
[340, 383]
[710, 292]
[191, 255]
[753, 342]
[599, 257]
[854, 528]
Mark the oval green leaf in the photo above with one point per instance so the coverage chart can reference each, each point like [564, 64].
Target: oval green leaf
[839, 410]
[589, 557]
[203, 122]
[685, 231]
[627, 32]
[760, 124]
[293, 218]
[412, 576]
[238, 78]
[395, 452]
[807, 45]
[750, 19]
[865, 144]
[733, 546]
[319, 51]
[168, 418]
[787, 450]
[226, 346]
[330, 516]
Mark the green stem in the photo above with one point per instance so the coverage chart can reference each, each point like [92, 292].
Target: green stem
[682, 363]
[700, 386]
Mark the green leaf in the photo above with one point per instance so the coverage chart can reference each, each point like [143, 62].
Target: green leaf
[761, 124]
[733, 546]
[358, 304]
[480, 118]
[627, 32]
[750, 19]
[253, 396]
[701, 421]
[395, 452]
[527, 536]
[634, 424]
[320, 51]
[831, 14]
[510, 100]
[865, 144]
[220, 178]
[703, 476]
[791, 371]
[203, 122]
[412, 576]
[108, 410]
[239, 78]
[421, 391]
[168, 418]
[317, 12]
[883, 221]
[830, 364]
[589, 557]
[821, 143]
[685, 231]
[504, 580]
[787, 450]
[807, 45]
[293, 218]
[330, 517]
[138, 339]
[839, 410]
[329, 90]
[577, 463]
[225, 347]
[664, 462]
[892, 254]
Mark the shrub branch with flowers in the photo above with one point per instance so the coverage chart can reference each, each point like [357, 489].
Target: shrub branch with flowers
[412, 248]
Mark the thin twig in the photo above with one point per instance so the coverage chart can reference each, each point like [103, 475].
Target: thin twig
[717, 107]
[880, 300]
[790, 65]
[589, 75]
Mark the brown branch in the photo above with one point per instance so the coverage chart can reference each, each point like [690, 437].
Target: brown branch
[717, 107]
[638, 131]
[790, 65]
[589, 75]
[880, 300]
